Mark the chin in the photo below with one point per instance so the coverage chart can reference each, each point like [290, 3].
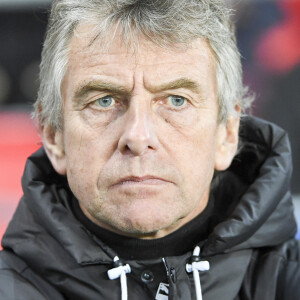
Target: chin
[146, 224]
[145, 217]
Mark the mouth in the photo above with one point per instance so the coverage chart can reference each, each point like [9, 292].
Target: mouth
[145, 180]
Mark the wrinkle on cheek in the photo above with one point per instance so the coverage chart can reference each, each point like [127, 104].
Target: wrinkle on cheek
[80, 142]
[73, 138]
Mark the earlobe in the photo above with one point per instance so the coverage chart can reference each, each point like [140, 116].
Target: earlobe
[227, 143]
[54, 146]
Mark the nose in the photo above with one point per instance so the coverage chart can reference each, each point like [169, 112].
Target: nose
[138, 134]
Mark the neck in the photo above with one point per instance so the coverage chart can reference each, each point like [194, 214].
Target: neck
[182, 240]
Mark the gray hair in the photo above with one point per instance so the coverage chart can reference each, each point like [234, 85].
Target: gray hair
[164, 22]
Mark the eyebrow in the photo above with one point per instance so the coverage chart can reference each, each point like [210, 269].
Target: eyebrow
[113, 88]
[181, 83]
[100, 86]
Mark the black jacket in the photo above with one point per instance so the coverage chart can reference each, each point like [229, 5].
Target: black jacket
[48, 254]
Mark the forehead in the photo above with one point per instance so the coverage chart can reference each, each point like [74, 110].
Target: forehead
[99, 56]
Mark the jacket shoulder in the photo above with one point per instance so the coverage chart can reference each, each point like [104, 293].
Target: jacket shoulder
[273, 273]
[289, 277]
[19, 282]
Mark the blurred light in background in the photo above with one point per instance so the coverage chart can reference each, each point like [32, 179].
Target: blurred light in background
[18, 139]
[268, 34]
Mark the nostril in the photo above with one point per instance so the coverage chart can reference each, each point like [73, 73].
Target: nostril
[126, 148]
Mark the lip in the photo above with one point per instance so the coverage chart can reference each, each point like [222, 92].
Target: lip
[144, 180]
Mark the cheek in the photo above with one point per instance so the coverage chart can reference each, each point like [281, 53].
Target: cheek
[194, 155]
[87, 152]
[190, 137]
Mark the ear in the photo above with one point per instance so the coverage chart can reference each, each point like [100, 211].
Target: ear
[54, 145]
[228, 137]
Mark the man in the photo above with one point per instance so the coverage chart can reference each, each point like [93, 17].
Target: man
[146, 180]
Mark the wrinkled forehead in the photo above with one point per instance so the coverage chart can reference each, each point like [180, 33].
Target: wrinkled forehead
[134, 44]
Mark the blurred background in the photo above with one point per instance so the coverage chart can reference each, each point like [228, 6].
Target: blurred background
[268, 33]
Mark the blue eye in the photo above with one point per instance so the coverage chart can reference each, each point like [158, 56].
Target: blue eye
[105, 101]
[177, 101]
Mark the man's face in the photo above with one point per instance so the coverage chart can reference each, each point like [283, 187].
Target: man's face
[140, 133]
